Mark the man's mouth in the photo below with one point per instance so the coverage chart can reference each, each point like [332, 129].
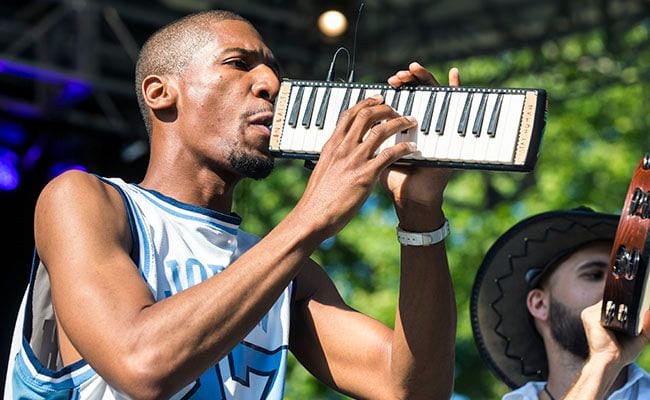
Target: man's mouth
[263, 120]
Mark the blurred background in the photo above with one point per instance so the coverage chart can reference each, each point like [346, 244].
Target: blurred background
[67, 101]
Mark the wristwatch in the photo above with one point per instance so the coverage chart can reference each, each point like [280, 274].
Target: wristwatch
[423, 238]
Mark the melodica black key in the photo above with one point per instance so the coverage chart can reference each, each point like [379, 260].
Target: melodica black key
[306, 119]
[480, 114]
[345, 104]
[464, 117]
[320, 119]
[395, 102]
[362, 94]
[442, 118]
[507, 123]
[293, 118]
[428, 114]
[408, 108]
[494, 119]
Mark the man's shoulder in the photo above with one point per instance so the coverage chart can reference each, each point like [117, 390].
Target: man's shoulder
[637, 385]
[636, 370]
[75, 188]
[527, 392]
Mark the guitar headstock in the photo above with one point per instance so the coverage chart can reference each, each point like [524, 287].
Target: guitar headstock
[627, 293]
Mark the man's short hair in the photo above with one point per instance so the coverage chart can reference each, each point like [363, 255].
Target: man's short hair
[169, 50]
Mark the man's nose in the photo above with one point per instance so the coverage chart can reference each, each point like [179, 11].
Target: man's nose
[266, 84]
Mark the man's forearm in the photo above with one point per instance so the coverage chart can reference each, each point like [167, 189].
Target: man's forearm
[595, 380]
[425, 327]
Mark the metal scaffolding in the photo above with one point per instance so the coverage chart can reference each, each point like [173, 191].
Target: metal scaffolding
[72, 61]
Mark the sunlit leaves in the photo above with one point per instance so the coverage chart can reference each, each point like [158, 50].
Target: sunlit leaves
[597, 130]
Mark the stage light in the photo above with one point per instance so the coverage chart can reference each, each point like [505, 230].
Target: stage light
[9, 176]
[12, 134]
[332, 23]
[134, 151]
[32, 155]
[61, 166]
[65, 89]
[73, 92]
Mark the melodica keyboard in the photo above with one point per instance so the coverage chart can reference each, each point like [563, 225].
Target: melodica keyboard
[458, 127]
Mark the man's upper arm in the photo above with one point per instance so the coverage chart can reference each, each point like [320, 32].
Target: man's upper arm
[82, 236]
[343, 348]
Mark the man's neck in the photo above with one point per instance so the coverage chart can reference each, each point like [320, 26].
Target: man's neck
[202, 188]
[564, 368]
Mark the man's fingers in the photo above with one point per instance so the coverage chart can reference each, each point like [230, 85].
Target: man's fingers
[394, 81]
[349, 116]
[369, 117]
[416, 74]
[422, 74]
[379, 133]
[454, 77]
[591, 315]
[391, 154]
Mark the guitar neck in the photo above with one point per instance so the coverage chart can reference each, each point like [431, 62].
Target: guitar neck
[627, 293]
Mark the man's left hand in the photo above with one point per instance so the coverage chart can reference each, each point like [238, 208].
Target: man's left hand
[417, 191]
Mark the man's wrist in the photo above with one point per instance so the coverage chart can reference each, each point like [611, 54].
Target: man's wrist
[605, 362]
[417, 218]
[597, 376]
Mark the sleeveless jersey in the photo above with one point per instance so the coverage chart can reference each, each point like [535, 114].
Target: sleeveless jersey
[175, 246]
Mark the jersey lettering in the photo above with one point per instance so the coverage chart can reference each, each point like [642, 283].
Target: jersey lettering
[180, 280]
[248, 372]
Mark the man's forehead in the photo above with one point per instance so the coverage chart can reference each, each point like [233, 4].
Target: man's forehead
[233, 34]
[593, 254]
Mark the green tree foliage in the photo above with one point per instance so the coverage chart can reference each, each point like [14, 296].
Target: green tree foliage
[597, 131]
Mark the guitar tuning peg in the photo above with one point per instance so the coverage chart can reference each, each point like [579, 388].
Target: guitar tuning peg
[646, 161]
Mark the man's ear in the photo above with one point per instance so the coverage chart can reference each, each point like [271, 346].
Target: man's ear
[537, 302]
[159, 92]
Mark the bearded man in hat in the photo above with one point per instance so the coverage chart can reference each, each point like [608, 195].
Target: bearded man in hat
[530, 292]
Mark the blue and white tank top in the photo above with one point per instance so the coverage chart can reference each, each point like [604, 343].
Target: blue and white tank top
[175, 246]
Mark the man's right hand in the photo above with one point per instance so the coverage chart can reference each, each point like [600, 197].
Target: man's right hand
[608, 346]
[609, 353]
[348, 169]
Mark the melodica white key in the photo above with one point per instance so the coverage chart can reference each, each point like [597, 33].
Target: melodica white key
[458, 127]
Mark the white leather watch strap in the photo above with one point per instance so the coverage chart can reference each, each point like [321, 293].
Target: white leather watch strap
[423, 238]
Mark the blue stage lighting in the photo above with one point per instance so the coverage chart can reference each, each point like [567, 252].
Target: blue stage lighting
[9, 176]
[12, 134]
[73, 92]
[61, 166]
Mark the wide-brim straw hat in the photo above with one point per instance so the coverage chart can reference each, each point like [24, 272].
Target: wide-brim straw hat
[503, 329]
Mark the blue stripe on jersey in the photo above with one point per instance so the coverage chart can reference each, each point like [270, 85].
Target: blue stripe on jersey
[145, 261]
[40, 369]
[65, 379]
[138, 235]
[135, 245]
[159, 200]
[243, 362]
[27, 328]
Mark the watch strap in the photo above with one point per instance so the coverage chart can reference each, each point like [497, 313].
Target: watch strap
[423, 238]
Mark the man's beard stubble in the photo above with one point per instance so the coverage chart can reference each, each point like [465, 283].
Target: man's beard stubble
[568, 331]
[251, 166]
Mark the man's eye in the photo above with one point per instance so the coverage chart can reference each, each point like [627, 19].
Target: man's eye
[595, 276]
[238, 63]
